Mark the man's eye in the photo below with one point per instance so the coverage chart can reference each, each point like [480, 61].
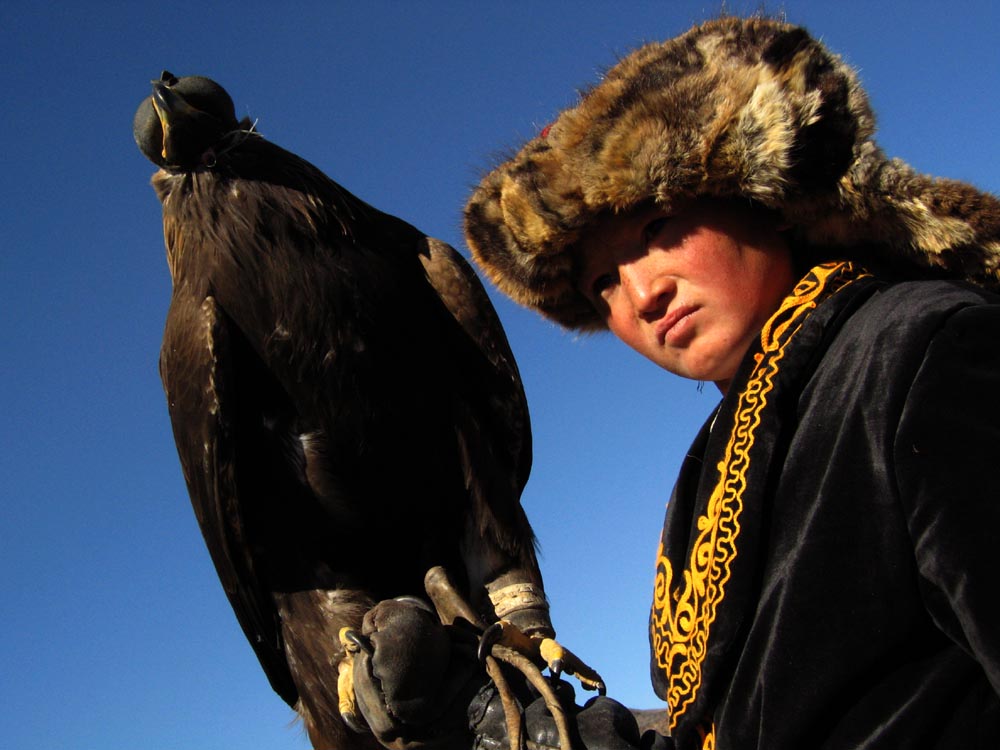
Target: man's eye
[602, 283]
[653, 228]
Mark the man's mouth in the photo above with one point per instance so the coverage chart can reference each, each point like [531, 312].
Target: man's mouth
[672, 327]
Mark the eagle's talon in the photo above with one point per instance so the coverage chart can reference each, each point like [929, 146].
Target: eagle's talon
[561, 659]
[490, 637]
[416, 601]
[353, 642]
[353, 722]
[555, 669]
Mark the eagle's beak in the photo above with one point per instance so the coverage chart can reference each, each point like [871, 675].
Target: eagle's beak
[169, 106]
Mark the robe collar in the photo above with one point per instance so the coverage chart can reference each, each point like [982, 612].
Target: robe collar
[709, 555]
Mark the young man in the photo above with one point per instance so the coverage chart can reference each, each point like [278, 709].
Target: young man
[826, 575]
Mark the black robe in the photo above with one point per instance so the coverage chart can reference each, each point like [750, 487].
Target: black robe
[828, 575]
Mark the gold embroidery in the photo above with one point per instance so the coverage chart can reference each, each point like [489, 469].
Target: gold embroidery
[683, 612]
[708, 738]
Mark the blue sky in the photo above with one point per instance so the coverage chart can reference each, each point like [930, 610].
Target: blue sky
[115, 631]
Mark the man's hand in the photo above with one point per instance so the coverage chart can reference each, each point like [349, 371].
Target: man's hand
[420, 686]
[413, 685]
[601, 724]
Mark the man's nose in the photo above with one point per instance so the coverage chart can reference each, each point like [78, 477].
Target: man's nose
[647, 290]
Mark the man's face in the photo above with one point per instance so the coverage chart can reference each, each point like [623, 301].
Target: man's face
[691, 290]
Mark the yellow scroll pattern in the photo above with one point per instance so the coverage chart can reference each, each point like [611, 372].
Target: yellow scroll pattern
[684, 610]
[708, 738]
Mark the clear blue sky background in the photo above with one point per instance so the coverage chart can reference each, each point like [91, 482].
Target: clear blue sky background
[114, 631]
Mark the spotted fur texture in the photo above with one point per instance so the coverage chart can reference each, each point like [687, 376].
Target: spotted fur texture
[753, 108]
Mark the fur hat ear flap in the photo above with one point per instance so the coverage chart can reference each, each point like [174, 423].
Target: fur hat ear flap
[831, 112]
[908, 221]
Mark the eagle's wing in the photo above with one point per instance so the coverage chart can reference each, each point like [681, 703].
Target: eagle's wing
[196, 366]
[493, 425]
[497, 444]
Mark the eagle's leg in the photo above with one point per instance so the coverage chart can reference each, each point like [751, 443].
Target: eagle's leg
[523, 624]
[450, 607]
[348, 706]
[505, 642]
[511, 711]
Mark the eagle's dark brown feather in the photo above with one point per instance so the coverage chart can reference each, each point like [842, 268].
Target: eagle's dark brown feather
[345, 404]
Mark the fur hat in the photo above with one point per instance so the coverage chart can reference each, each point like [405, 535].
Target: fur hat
[735, 107]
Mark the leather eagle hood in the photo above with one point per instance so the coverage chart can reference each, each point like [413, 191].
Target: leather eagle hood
[752, 108]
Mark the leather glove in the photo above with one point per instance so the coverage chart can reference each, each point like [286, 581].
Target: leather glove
[421, 686]
[415, 685]
[600, 724]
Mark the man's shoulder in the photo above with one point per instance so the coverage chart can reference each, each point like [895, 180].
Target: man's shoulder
[883, 343]
[918, 309]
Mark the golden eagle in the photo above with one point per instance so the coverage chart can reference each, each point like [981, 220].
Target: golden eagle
[344, 402]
